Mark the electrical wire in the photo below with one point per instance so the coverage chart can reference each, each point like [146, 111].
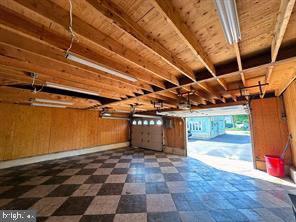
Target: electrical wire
[73, 36]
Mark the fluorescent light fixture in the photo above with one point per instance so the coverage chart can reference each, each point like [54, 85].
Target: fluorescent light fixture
[229, 19]
[48, 105]
[52, 101]
[99, 67]
[110, 117]
[146, 116]
[69, 88]
[106, 114]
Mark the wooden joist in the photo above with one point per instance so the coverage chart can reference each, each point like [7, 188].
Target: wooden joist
[119, 18]
[172, 17]
[84, 30]
[24, 26]
[283, 17]
[239, 62]
[208, 89]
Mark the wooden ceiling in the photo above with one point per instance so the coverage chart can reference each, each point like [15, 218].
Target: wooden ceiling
[170, 47]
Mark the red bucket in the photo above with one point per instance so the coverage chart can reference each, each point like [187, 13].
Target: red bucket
[275, 165]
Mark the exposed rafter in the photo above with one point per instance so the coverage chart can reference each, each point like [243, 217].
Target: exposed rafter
[183, 31]
[239, 62]
[169, 12]
[82, 29]
[283, 17]
[21, 24]
[119, 18]
[226, 75]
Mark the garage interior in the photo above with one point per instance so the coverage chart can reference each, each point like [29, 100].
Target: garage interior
[93, 95]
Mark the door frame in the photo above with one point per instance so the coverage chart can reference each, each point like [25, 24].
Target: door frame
[251, 136]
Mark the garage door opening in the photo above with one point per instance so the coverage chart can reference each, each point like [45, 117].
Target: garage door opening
[221, 135]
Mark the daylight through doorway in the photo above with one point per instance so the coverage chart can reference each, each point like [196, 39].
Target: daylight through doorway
[224, 137]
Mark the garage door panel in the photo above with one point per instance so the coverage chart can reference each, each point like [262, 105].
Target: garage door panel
[146, 134]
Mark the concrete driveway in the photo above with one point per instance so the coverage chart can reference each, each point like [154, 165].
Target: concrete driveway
[232, 145]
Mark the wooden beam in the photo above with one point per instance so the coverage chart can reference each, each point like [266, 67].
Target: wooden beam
[239, 62]
[172, 17]
[197, 100]
[285, 85]
[283, 17]
[119, 18]
[204, 95]
[57, 55]
[211, 91]
[25, 26]
[26, 61]
[284, 14]
[168, 94]
[82, 29]
[9, 94]
[226, 75]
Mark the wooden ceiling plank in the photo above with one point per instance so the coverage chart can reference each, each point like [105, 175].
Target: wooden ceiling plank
[13, 57]
[119, 18]
[56, 55]
[28, 96]
[168, 11]
[82, 29]
[22, 78]
[29, 28]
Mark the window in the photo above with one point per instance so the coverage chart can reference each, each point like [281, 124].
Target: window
[199, 125]
[139, 122]
[159, 122]
[134, 122]
[151, 123]
[145, 123]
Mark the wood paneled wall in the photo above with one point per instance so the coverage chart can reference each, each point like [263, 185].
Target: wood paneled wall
[290, 105]
[29, 131]
[269, 128]
[174, 137]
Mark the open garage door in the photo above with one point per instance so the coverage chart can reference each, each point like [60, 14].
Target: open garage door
[220, 134]
[147, 133]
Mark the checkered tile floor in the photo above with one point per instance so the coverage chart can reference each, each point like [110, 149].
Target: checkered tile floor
[140, 185]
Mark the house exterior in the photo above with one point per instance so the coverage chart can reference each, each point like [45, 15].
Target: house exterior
[206, 127]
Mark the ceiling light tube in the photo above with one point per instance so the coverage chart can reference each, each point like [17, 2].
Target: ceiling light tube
[48, 105]
[111, 117]
[69, 88]
[52, 101]
[106, 114]
[227, 12]
[99, 67]
[146, 116]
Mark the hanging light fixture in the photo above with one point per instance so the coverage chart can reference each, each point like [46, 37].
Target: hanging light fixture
[227, 12]
[83, 61]
[69, 88]
[75, 58]
[60, 102]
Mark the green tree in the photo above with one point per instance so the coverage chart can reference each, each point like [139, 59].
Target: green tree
[238, 119]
